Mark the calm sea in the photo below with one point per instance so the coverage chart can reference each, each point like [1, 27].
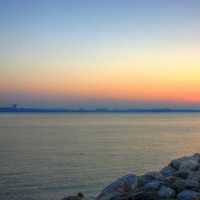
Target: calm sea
[47, 156]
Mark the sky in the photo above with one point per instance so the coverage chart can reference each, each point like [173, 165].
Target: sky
[100, 53]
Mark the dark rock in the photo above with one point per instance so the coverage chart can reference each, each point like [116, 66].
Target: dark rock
[166, 192]
[178, 184]
[154, 185]
[119, 197]
[144, 195]
[170, 180]
[177, 162]
[188, 195]
[167, 171]
[182, 174]
[194, 175]
[196, 156]
[79, 196]
[140, 181]
[189, 163]
[150, 176]
[192, 184]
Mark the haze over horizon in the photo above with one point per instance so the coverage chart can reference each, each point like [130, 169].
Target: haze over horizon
[114, 54]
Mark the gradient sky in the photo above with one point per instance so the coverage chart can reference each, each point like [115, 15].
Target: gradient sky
[100, 53]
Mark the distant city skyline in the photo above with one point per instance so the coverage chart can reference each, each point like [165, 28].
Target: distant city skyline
[20, 109]
[96, 54]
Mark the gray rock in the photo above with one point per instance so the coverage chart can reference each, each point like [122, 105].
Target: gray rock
[121, 186]
[154, 185]
[186, 163]
[189, 165]
[177, 162]
[167, 171]
[196, 156]
[188, 195]
[166, 192]
[181, 176]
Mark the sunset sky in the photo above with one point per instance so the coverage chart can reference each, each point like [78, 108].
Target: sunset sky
[100, 53]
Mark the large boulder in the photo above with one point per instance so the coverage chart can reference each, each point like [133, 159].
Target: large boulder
[188, 195]
[121, 186]
[166, 192]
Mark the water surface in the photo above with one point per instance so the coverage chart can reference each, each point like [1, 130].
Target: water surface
[47, 156]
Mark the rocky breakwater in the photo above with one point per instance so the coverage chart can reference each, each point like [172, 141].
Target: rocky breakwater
[179, 180]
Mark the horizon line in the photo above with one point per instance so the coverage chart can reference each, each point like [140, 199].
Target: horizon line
[15, 109]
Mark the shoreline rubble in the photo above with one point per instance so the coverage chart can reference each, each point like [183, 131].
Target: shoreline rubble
[180, 180]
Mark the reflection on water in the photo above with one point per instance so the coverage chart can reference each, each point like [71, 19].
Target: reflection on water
[45, 156]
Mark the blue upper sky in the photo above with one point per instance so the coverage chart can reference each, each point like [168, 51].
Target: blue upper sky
[81, 52]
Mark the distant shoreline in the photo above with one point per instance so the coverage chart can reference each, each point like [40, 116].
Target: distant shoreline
[63, 110]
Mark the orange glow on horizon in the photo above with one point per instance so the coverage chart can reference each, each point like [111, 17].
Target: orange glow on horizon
[171, 76]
